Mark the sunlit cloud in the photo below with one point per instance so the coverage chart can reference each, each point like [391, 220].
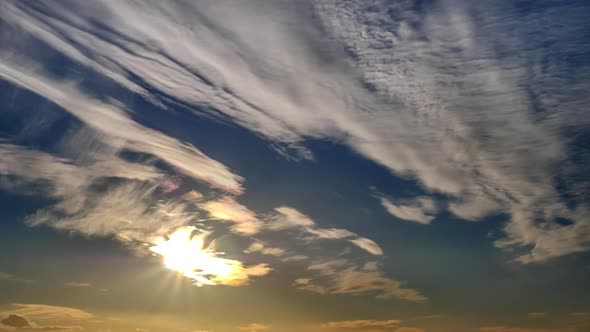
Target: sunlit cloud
[410, 329]
[289, 218]
[340, 276]
[127, 211]
[295, 258]
[523, 329]
[368, 245]
[371, 325]
[43, 317]
[254, 327]
[185, 251]
[192, 196]
[329, 233]
[19, 323]
[260, 247]
[228, 209]
[63, 176]
[420, 210]
[117, 129]
[51, 312]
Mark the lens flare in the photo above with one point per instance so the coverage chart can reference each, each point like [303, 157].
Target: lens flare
[186, 252]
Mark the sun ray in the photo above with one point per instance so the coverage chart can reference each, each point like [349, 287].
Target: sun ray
[187, 252]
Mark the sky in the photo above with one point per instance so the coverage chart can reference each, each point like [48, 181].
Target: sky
[294, 165]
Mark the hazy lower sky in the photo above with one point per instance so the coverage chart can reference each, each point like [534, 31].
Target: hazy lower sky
[295, 165]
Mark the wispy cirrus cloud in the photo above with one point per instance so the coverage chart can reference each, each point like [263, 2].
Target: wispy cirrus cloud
[469, 130]
[341, 276]
[118, 130]
[133, 209]
[289, 218]
[466, 132]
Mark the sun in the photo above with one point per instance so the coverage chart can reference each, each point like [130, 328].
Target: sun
[186, 252]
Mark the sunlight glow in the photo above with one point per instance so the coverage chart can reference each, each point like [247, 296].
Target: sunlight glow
[187, 253]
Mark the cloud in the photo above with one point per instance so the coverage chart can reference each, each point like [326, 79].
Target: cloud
[40, 317]
[260, 247]
[129, 212]
[451, 113]
[10, 277]
[228, 209]
[48, 312]
[136, 213]
[75, 284]
[192, 196]
[368, 245]
[118, 129]
[410, 329]
[295, 258]
[15, 321]
[62, 174]
[340, 276]
[329, 233]
[358, 324]
[254, 327]
[466, 132]
[289, 218]
[125, 211]
[80, 173]
[420, 210]
[522, 329]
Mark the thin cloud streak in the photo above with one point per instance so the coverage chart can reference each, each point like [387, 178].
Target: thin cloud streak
[420, 210]
[357, 324]
[341, 276]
